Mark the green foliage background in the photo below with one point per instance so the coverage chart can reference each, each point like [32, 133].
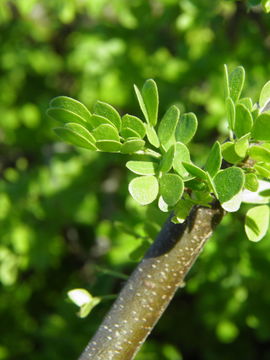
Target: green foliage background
[58, 205]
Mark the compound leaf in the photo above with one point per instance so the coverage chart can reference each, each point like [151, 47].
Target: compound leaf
[108, 145]
[109, 112]
[132, 145]
[133, 123]
[74, 138]
[72, 105]
[144, 189]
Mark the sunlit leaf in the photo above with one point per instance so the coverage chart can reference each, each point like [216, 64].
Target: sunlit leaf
[71, 105]
[141, 103]
[243, 120]
[151, 101]
[236, 82]
[171, 188]
[266, 5]
[262, 170]
[251, 197]
[233, 204]
[132, 145]
[109, 112]
[106, 132]
[257, 222]
[74, 138]
[247, 102]
[133, 123]
[251, 182]
[84, 300]
[167, 127]
[182, 210]
[186, 128]
[181, 154]
[214, 160]
[108, 145]
[259, 153]
[81, 130]
[65, 116]
[265, 94]
[142, 167]
[195, 170]
[241, 145]
[144, 189]
[167, 160]
[97, 120]
[129, 133]
[152, 135]
[163, 206]
[261, 128]
[226, 82]
[229, 154]
[228, 183]
[230, 109]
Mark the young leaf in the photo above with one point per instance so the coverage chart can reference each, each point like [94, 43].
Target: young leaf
[132, 145]
[214, 159]
[151, 101]
[109, 112]
[195, 170]
[228, 183]
[141, 103]
[243, 120]
[133, 123]
[65, 116]
[236, 82]
[142, 167]
[167, 127]
[74, 138]
[247, 102]
[167, 160]
[81, 130]
[97, 120]
[144, 189]
[182, 210]
[171, 188]
[230, 109]
[229, 154]
[251, 182]
[261, 128]
[129, 133]
[265, 95]
[241, 145]
[72, 105]
[257, 222]
[84, 300]
[259, 153]
[106, 132]
[152, 135]
[251, 197]
[181, 154]
[108, 145]
[186, 128]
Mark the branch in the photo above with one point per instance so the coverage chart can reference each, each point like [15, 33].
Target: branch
[151, 286]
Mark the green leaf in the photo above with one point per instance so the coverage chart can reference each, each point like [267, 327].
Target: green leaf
[261, 128]
[182, 210]
[144, 189]
[167, 127]
[226, 82]
[186, 128]
[142, 167]
[151, 101]
[243, 120]
[74, 138]
[167, 160]
[65, 116]
[236, 82]
[247, 102]
[257, 222]
[195, 170]
[251, 182]
[259, 153]
[163, 206]
[108, 145]
[181, 154]
[265, 95]
[109, 112]
[81, 130]
[214, 160]
[132, 145]
[133, 123]
[171, 188]
[229, 154]
[241, 145]
[228, 183]
[152, 135]
[129, 133]
[233, 204]
[97, 120]
[230, 110]
[262, 170]
[106, 132]
[84, 300]
[71, 105]
[141, 103]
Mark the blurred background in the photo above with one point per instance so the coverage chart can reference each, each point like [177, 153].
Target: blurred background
[59, 205]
